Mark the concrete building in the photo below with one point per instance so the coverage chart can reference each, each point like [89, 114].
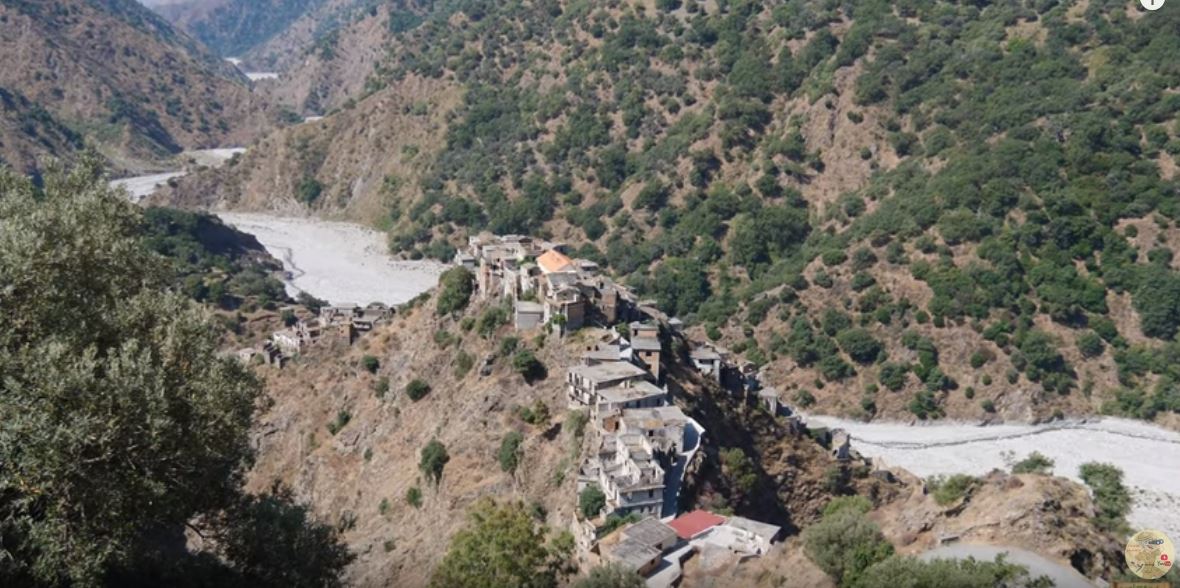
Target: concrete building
[528, 315]
[583, 383]
[625, 467]
[707, 361]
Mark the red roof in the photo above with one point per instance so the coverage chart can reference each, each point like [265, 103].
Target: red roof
[695, 523]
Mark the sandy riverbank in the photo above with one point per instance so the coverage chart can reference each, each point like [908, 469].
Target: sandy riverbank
[1149, 456]
[339, 262]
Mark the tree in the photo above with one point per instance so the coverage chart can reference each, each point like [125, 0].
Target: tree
[501, 547]
[417, 389]
[272, 541]
[526, 364]
[680, 286]
[120, 422]
[510, 451]
[456, 286]
[859, 345]
[434, 458]
[844, 544]
[610, 576]
[591, 501]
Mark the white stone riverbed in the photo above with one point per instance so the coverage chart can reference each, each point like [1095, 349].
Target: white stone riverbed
[1149, 456]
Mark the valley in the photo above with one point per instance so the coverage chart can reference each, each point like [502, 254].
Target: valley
[597, 294]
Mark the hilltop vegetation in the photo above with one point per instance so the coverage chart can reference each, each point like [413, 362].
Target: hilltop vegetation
[755, 166]
[121, 426]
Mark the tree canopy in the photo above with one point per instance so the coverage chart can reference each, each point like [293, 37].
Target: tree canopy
[120, 423]
[502, 547]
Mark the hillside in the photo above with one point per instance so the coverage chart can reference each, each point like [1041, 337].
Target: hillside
[113, 72]
[861, 197]
[342, 430]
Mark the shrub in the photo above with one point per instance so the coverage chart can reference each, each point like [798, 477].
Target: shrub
[537, 414]
[833, 257]
[508, 346]
[433, 459]
[859, 345]
[456, 286]
[342, 419]
[893, 376]
[510, 451]
[370, 363]
[1090, 344]
[804, 399]
[988, 405]
[381, 386]
[591, 501]
[924, 406]
[417, 389]
[614, 575]
[858, 504]
[845, 543]
[463, 363]
[1035, 463]
[527, 365]
[490, 320]
[414, 496]
[1110, 496]
[950, 490]
[739, 469]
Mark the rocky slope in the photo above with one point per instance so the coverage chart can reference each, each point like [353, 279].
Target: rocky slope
[826, 191]
[116, 74]
[348, 442]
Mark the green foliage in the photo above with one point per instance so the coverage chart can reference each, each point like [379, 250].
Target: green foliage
[370, 363]
[949, 490]
[844, 544]
[893, 376]
[120, 421]
[537, 414]
[739, 469]
[961, 573]
[433, 459]
[455, 288]
[414, 496]
[591, 501]
[1110, 495]
[343, 417]
[509, 454]
[1090, 344]
[1035, 463]
[490, 320]
[613, 575]
[858, 504]
[308, 190]
[860, 345]
[501, 547]
[527, 365]
[417, 389]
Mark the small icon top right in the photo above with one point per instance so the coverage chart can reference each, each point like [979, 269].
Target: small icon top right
[1152, 4]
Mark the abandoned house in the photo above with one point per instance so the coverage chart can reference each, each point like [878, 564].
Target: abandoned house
[584, 382]
[707, 361]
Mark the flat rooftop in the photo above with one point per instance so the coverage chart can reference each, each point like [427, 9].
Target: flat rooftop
[609, 372]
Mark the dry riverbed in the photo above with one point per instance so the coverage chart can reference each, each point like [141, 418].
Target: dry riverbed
[339, 262]
[1149, 456]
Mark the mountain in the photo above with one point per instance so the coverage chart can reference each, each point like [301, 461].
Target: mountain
[232, 27]
[899, 210]
[114, 73]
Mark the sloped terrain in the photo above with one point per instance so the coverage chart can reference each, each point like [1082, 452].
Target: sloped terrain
[117, 74]
[861, 197]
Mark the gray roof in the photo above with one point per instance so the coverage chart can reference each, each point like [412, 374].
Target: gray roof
[664, 414]
[632, 554]
[705, 354]
[529, 307]
[645, 344]
[650, 532]
[640, 390]
[764, 530]
[604, 353]
[609, 372]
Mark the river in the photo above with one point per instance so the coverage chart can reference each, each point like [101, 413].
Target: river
[338, 262]
[1149, 456]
